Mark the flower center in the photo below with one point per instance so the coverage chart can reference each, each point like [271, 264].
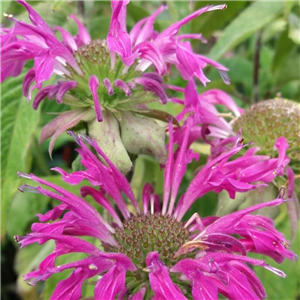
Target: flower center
[146, 233]
[116, 81]
[268, 120]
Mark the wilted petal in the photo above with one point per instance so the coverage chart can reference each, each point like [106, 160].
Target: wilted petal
[62, 123]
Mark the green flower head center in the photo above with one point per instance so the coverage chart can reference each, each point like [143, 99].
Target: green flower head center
[268, 120]
[95, 59]
[146, 233]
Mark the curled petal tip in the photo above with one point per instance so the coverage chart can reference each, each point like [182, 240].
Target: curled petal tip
[28, 188]
[24, 175]
[75, 137]
[17, 238]
[281, 192]
[85, 138]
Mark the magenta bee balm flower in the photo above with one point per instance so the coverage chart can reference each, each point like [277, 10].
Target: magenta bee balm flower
[107, 83]
[152, 253]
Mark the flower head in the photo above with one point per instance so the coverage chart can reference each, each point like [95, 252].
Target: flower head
[268, 125]
[107, 83]
[153, 252]
[273, 118]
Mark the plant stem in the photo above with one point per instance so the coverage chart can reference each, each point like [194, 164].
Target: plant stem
[255, 91]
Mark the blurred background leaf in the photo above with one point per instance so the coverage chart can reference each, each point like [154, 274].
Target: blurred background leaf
[18, 124]
[246, 23]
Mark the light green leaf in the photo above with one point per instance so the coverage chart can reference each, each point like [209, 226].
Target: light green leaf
[4, 7]
[27, 260]
[253, 18]
[18, 124]
[179, 10]
[56, 5]
[294, 30]
[288, 5]
[23, 209]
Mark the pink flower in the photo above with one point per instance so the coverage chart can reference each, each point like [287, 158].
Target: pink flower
[152, 251]
[107, 83]
[262, 126]
[160, 49]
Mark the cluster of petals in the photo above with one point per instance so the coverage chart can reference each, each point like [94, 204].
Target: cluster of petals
[37, 42]
[220, 244]
[207, 122]
[213, 128]
[160, 49]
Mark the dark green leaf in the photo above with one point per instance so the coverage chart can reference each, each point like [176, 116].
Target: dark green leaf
[283, 47]
[289, 71]
[214, 20]
[136, 12]
[249, 21]
[18, 124]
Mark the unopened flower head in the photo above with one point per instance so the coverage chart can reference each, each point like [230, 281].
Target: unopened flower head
[152, 252]
[107, 83]
[267, 120]
[265, 126]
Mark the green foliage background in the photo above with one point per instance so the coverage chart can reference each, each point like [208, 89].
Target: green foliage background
[232, 40]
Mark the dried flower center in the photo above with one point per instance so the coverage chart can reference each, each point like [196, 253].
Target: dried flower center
[116, 81]
[268, 120]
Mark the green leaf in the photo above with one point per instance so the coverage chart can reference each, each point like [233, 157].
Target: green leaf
[240, 71]
[288, 5]
[283, 47]
[18, 124]
[294, 31]
[252, 19]
[26, 205]
[56, 5]
[23, 209]
[214, 20]
[52, 282]
[179, 10]
[289, 71]
[136, 12]
[5, 7]
[27, 260]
